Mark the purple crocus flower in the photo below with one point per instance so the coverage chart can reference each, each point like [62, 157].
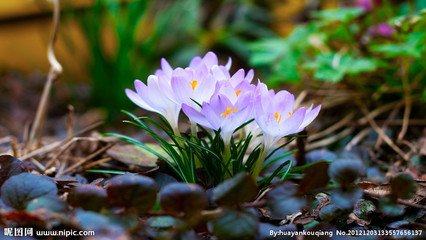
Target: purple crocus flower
[209, 60]
[191, 85]
[381, 30]
[365, 5]
[233, 86]
[276, 115]
[154, 97]
[221, 113]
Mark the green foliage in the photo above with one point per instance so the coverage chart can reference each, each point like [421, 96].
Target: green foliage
[181, 198]
[403, 186]
[235, 225]
[10, 166]
[184, 153]
[342, 15]
[236, 209]
[144, 31]
[333, 67]
[19, 190]
[361, 50]
[89, 197]
[282, 201]
[49, 203]
[133, 192]
[242, 188]
[345, 172]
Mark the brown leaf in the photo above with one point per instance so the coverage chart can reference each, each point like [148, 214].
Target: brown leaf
[133, 155]
[385, 189]
[360, 222]
[316, 177]
[10, 166]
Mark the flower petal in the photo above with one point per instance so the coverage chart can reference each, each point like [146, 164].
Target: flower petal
[135, 98]
[195, 116]
[309, 117]
[210, 59]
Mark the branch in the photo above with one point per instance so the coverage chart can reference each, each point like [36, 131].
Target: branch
[54, 72]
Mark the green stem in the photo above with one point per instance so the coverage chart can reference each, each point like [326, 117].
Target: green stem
[227, 158]
[259, 163]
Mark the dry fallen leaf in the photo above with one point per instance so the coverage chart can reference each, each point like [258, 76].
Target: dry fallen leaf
[134, 155]
[384, 189]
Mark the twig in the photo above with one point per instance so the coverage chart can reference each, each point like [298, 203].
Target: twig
[386, 124]
[6, 139]
[327, 141]
[332, 128]
[90, 157]
[400, 201]
[357, 138]
[407, 101]
[38, 164]
[70, 121]
[255, 204]
[382, 134]
[376, 112]
[66, 146]
[13, 144]
[54, 72]
[98, 162]
[48, 148]
[42, 150]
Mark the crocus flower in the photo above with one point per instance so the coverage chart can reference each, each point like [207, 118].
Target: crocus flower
[235, 91]
[153, 97]
[209, 60]
[365, 5]
[221, 114]
[193, 86]
[381, 30]
[276, 115]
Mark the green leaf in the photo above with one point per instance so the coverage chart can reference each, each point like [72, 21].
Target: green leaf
[103, 225]
[20, 189]
[390, 208]
[235, 225]
[403, 186]
[338, 15]
[346, 198]
[412, 45]
[364, 209]
[106, 171]
[282, 201]
[10, 166]
[89, 197]
[396, 50]
[178, 198]
[345, 171]
[132, 192]
[239, 189]
[267, 51]
[315, 177]
[334, 67]
[329, 212]
[49, 203]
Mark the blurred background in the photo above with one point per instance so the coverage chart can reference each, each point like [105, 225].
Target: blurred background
[103, 45]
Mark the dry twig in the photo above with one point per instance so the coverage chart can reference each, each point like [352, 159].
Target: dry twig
[382, 134]
[332, 128]
[54, 72]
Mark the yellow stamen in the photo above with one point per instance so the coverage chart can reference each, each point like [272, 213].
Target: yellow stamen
[278, 117]
[228, 111]
[194, 84]
[289, 114]
[238, 92]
